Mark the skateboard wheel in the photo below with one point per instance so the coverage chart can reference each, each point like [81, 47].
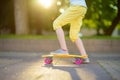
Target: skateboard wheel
[48, 61]
[78, 61]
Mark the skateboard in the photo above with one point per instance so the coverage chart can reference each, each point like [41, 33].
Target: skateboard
[48, 59]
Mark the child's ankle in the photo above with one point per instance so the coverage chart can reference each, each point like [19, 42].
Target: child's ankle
[64, 49]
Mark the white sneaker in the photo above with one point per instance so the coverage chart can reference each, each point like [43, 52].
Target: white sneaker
[59, 51]
[86, 60]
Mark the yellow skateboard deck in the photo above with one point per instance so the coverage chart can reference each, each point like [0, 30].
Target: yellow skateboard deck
[63, 56]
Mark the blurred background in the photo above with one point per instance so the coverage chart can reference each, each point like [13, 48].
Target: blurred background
[35, 17]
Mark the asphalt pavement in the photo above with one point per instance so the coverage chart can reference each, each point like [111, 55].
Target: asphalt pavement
[30, 66]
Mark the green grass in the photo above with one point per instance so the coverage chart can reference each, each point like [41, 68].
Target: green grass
[26, 37]
[102, 37]
[53, 37]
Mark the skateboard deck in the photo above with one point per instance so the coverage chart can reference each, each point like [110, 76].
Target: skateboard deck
[48, 59]
[63, 56]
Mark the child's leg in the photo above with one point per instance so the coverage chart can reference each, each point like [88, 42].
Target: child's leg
[75, 28]
[80, 47]
[61, 38]
[74, 31]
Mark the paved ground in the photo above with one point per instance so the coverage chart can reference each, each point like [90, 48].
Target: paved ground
[29, 66]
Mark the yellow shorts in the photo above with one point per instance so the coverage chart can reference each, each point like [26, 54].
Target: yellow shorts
[74, 16]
